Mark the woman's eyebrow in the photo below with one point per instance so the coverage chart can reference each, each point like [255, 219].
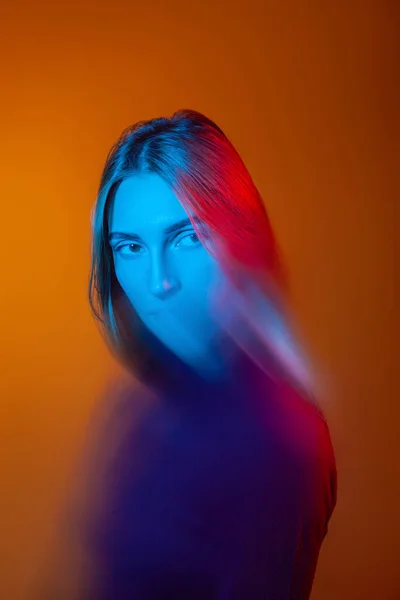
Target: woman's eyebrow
[167, 231]
[176, 226]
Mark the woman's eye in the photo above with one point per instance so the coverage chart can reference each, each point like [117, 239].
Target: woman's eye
[191, 239]
[128, 249]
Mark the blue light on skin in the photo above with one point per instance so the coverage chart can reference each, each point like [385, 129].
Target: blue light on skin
[165, 271]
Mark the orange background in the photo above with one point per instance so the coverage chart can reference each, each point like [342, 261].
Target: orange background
[306, 91]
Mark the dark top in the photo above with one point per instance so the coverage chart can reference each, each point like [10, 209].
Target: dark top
[221, 491]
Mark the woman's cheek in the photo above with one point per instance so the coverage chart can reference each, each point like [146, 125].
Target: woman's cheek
[131, 280]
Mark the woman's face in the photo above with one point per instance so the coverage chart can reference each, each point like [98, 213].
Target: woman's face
[163, 268]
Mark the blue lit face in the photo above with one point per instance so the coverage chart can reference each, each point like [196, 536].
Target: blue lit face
[163, 268]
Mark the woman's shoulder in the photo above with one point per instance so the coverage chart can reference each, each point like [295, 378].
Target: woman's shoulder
[117, 413]
[299, 429]
[120, 409]
[122, 401]
[306, 435]
[299, 410]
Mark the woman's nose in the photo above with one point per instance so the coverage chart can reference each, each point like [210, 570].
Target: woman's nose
[163, 282]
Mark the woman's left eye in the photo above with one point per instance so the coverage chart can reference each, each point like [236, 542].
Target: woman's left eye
[191, 239]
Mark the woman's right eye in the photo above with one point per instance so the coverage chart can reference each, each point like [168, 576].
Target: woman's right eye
[128, 250]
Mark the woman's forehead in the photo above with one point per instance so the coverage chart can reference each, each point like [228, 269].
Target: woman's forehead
[145, 200]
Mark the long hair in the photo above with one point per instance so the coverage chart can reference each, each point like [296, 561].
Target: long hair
[196, 159]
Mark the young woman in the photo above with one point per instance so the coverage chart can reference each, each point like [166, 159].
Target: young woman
[220, 477]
